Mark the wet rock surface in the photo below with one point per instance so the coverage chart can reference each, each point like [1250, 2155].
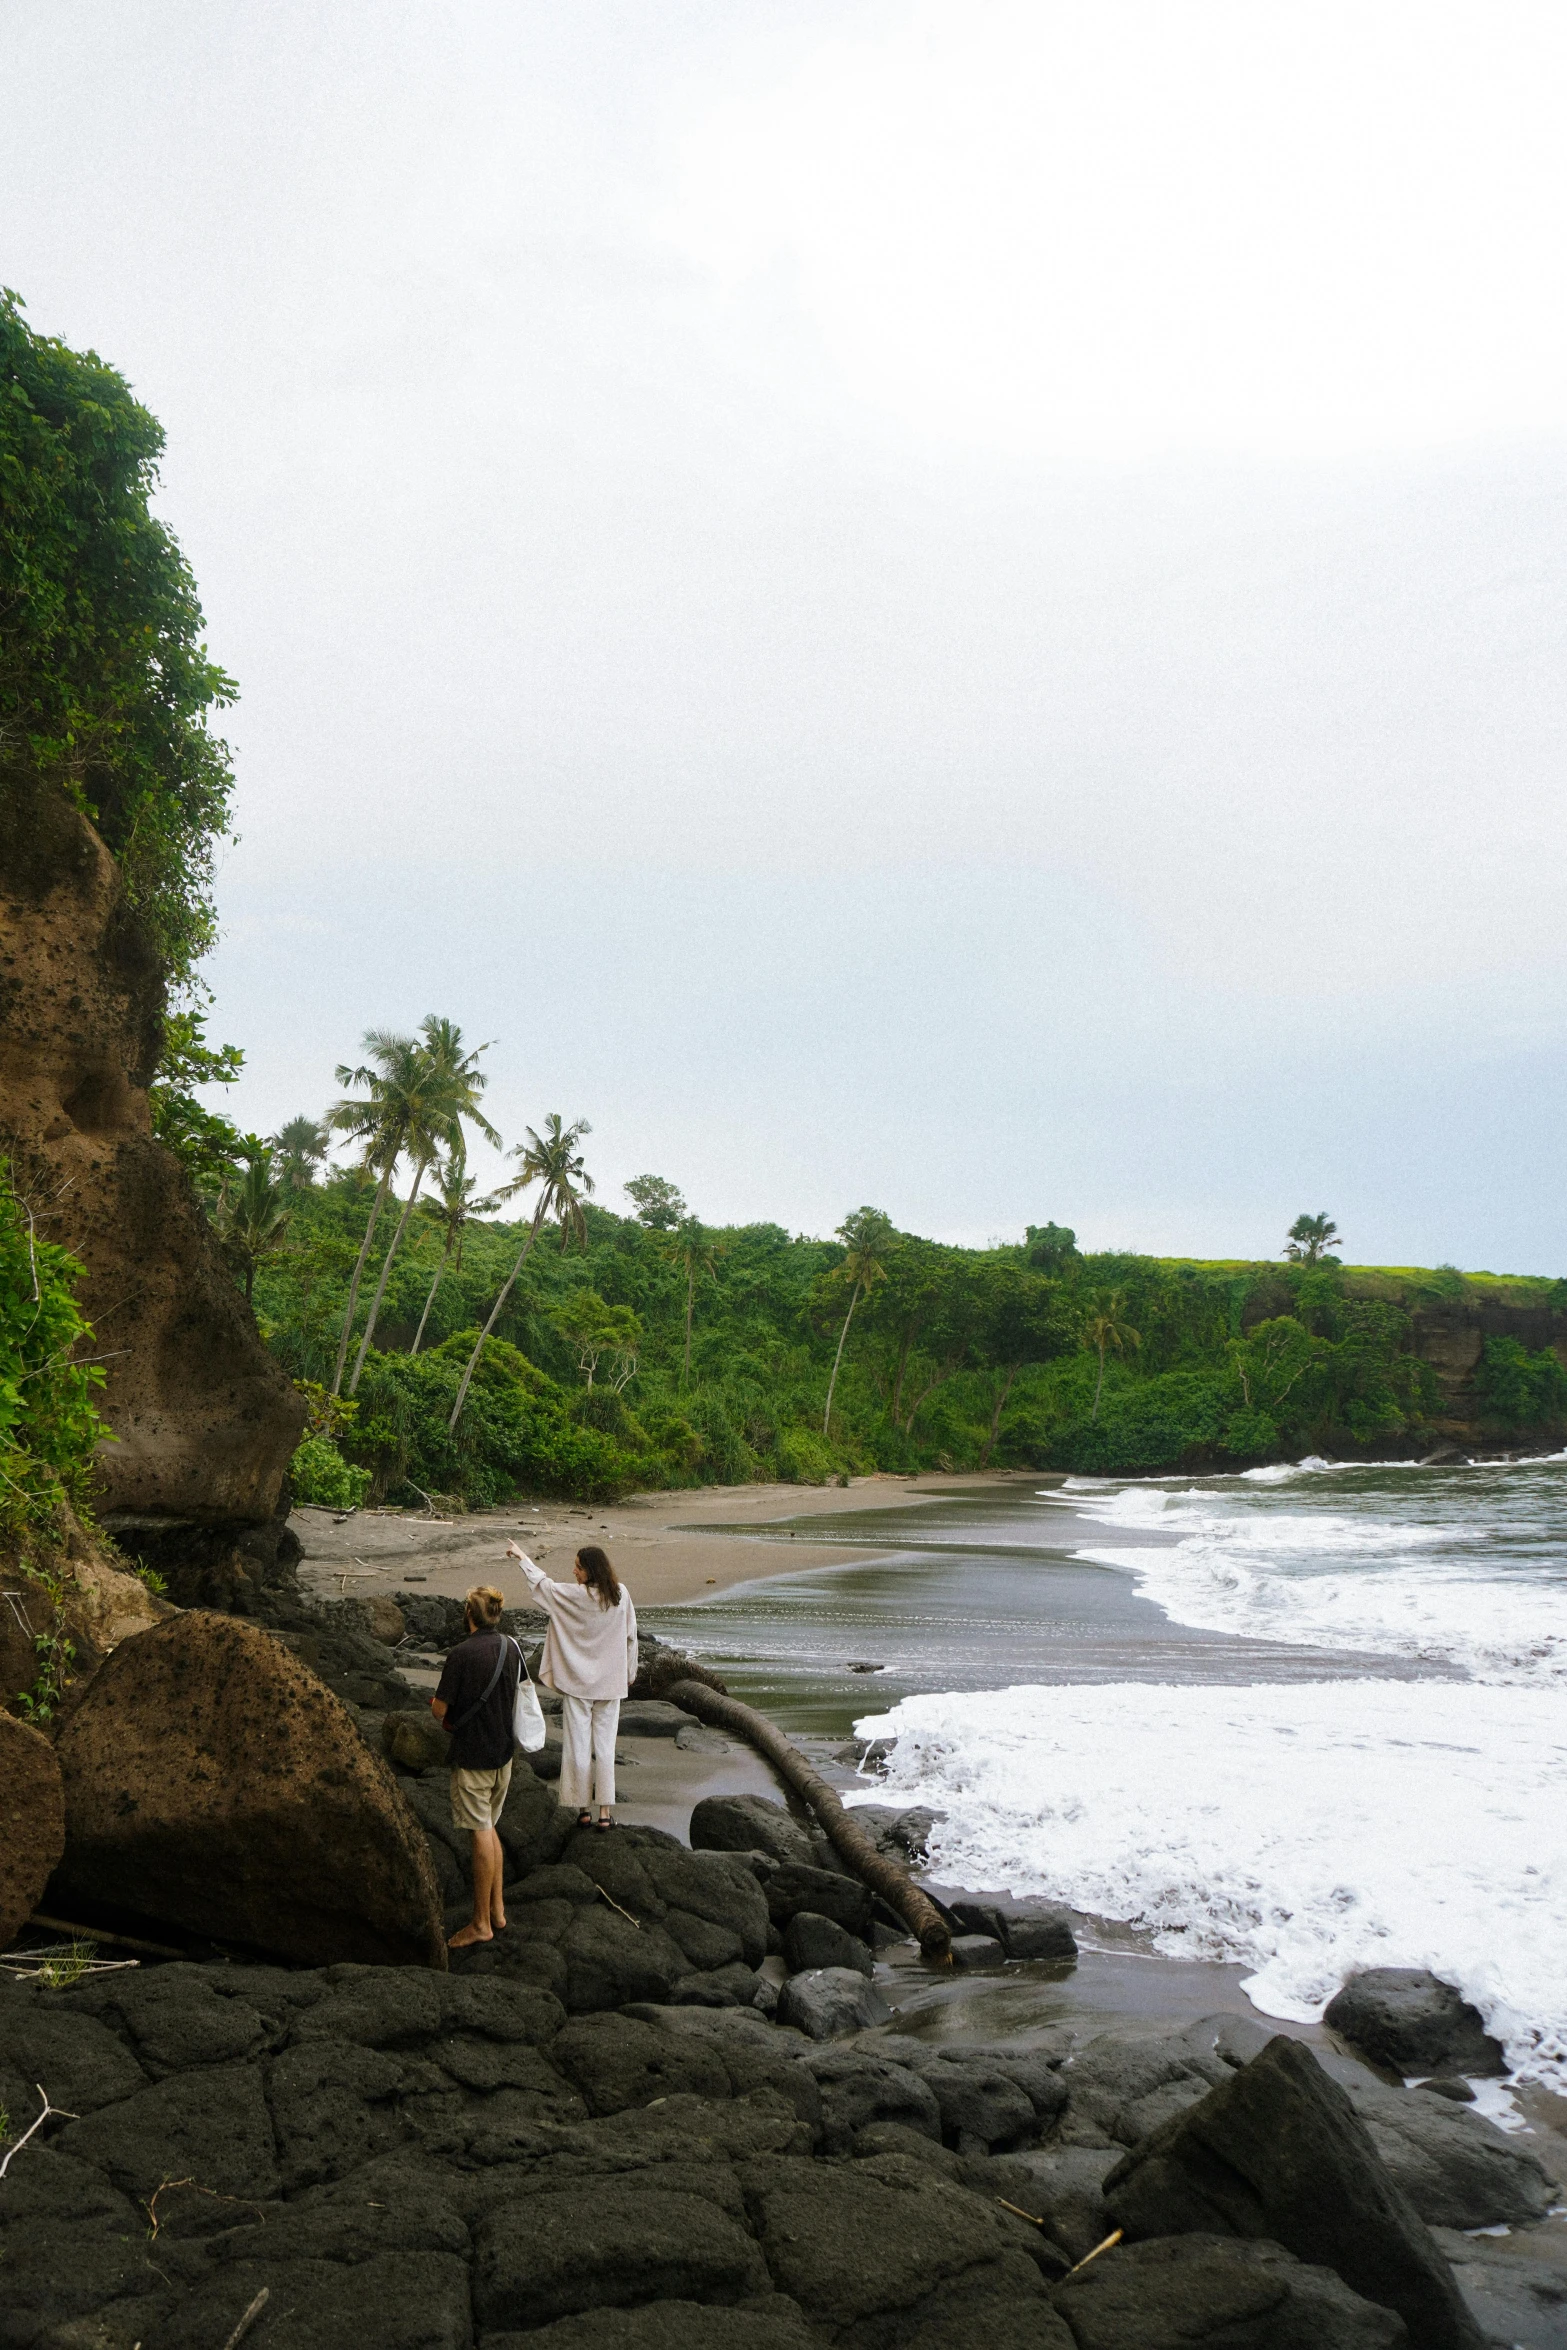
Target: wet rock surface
[1411, 2022]
[1278, 2152]
[423, 2159]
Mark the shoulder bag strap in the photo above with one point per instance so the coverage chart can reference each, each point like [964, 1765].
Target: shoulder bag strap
[500, 1666]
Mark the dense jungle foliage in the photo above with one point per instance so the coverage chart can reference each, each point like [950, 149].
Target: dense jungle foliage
[1032, 1356]
[106, 687]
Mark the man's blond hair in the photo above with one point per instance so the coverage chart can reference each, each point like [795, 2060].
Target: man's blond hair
[484, 1606]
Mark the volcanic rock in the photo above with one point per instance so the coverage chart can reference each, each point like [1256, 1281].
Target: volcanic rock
[748, 1823]
[1458, 2169]
[205, 1420]
[1280, 2152]
[212, 1781]
[32, 1823]
[830, 2002]
[1186, 2290]
[795, 1886]
[810, 1941]
[1409, 2021]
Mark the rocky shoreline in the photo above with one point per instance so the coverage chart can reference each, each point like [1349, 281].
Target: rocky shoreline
[702, 2091]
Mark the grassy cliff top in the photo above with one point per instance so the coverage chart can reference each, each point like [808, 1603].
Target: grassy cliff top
[1399, 1284]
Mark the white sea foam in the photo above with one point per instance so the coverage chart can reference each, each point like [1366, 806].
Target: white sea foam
[1429, 1583]
[1304, 1829]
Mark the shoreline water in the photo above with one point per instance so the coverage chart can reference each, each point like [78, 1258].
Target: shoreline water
[1171, 1662]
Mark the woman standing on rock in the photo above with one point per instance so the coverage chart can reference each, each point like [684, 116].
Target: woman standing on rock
[590, 1658]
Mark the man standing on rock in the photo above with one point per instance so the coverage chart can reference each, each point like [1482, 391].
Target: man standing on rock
[473, 1703]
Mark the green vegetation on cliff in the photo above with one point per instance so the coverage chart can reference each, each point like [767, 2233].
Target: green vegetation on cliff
[105, 684]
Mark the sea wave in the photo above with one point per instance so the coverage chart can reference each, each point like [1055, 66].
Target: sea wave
[1302, 1829]
[1437, 1584]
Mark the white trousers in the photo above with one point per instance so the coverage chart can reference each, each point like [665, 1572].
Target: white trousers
[588, 1729]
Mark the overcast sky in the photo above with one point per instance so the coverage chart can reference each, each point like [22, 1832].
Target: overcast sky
[959, 607]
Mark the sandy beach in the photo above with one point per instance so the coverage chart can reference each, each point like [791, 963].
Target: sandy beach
[670, 1547]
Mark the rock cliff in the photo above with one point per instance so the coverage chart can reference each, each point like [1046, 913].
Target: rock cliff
[204, 1421]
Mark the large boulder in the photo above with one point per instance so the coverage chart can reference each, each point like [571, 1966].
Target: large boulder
[981, 2106]
[1025, 1929]
[799, 1885]
[204, 1419]
[211, 1781]
[1122, 2089]
[1458, 2169]
[830, 2002]
[32, 1823]
[810, 1941]
[1186, 2290]
[860, 2091]
[1411, 2022]
[748, 1823]
[1279, 2152]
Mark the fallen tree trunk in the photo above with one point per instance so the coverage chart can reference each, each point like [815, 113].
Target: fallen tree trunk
[894, 1884]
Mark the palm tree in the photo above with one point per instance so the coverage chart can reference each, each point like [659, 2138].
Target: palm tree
[869, 1238]
[1310, 1238]
[405, 1104]
[452, 1212]
[1103, 1328]
[695, 1252]
[447, 1084]
[553, 1161]
[302, 1145]
[251, 1220]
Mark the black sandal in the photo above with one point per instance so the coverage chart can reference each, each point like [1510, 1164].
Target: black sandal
[584, 1819]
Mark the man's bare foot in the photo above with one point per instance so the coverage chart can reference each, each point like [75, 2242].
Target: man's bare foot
[498, 1921]
[468, 1934]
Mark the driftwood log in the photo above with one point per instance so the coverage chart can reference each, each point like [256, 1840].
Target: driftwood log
[894, 1884]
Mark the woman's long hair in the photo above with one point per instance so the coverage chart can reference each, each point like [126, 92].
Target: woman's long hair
[600, 1574]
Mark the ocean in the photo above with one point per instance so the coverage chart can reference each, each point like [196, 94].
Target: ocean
[1304, 1719]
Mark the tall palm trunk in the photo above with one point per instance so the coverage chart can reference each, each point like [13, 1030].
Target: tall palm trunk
[995, 1417]
[440, 1276]
[386, 1267]
[1098, 1384]
[838, 1357]
[685, 1368]
[495, 1312]
[358, 1274]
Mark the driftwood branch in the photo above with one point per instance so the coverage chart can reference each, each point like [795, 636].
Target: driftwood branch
[249, 2318]
[896, 1887]
[37, 2125]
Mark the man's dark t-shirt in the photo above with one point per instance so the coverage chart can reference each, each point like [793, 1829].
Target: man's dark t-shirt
[485, 1741]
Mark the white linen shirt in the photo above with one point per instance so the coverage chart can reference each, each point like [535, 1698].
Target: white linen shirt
[589, 1651]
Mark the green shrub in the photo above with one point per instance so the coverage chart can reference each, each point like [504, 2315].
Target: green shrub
[517, 1429]
[319, 1474]
[1158, 1423]
[805, 1458]
[1520, 1389]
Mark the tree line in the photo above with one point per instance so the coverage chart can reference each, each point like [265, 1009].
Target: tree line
[446, 1350]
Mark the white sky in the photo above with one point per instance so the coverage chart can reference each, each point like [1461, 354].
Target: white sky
[959, 607]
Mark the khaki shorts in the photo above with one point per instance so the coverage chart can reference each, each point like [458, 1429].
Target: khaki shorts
[477, 1797]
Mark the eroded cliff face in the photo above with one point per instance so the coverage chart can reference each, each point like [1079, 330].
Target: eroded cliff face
[205, 1421]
